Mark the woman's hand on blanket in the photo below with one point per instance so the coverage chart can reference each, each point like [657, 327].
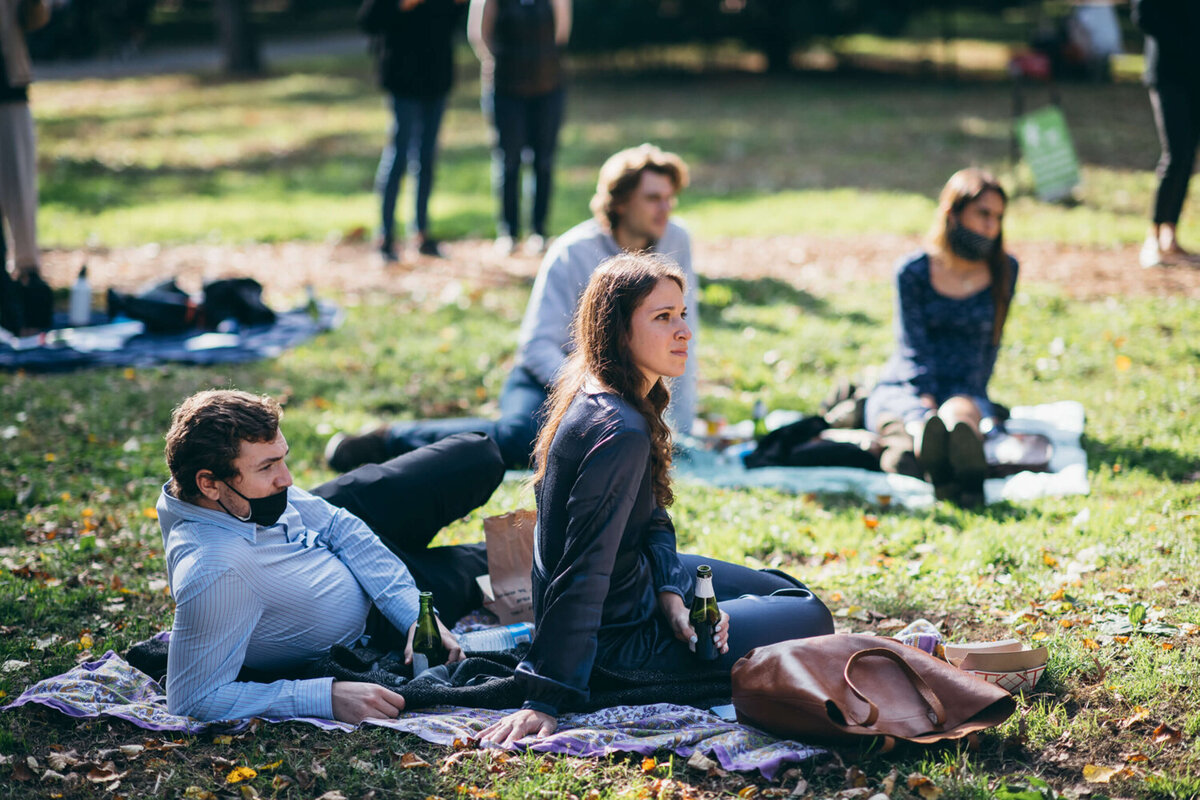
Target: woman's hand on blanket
[354, 701]
[518, 725]
[453, 650]
[677, 614]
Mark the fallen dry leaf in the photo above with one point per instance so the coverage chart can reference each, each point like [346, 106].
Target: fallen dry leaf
[63, 760]
[923, 786]
[855, 778]
[105, 774]
[412, 761]
[239, 774]
[648, 765]
[1139, 714]
[332, 795]
[1098, 774]
[196, 793]
[366, 766]
[1165, 734]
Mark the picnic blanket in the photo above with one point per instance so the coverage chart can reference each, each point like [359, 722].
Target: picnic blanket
[110, 687]
[127, 344]
[1062, 422]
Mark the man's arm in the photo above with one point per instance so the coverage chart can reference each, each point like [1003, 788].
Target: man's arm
[546, 329]
[212, 630]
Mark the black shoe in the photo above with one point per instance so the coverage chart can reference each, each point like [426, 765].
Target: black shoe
[934, 458]
[430, 247]
[38, 300]
[344, 453]
[387, 249]
[969, 464]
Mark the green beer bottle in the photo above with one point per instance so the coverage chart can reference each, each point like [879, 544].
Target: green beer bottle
[427, 640]
[705, 614]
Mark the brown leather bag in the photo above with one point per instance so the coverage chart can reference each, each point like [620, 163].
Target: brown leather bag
[841, 687]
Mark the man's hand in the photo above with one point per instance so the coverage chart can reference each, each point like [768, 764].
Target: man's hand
[409, 5]
[354, 701]
[518, 725]
[677, 613]
[453, 651]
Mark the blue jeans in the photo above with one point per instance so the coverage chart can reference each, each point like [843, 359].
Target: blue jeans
[524, 123]
[520, 420]
[414, 133]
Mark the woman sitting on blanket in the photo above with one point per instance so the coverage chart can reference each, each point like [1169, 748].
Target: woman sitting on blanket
[609, 587]
[951, 303]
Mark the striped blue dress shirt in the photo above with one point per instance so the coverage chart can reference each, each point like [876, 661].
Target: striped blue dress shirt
[271, 598]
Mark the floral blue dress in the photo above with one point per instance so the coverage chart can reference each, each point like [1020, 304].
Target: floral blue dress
[943, 347]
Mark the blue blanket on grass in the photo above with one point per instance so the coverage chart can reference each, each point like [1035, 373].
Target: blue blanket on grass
[124, 344]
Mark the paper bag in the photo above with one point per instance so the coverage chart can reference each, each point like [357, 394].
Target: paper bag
[508, 587]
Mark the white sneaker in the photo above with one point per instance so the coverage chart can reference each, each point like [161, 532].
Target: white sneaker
[505, 245]
[536, 245]
[1151, 254]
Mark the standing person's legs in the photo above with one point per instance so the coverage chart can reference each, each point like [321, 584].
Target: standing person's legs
[508, 116]
[1178, 130]
[393, 163]
[19, 201]
[545, 120]
[430, 123]
[18, 182]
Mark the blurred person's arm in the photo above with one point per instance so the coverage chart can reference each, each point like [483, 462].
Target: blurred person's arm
[562, 21]
[481, 24]
[34, 14]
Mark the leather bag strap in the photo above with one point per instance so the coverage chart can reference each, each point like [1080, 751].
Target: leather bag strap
[918, 683]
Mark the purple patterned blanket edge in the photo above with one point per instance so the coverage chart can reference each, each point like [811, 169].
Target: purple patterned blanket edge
[110, 687]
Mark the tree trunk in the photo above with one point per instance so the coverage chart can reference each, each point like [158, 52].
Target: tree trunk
[239, 39]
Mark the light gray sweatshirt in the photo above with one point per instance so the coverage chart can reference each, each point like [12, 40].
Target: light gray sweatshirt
[564, 274]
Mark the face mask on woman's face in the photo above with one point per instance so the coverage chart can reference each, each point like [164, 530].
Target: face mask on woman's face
[967, 244]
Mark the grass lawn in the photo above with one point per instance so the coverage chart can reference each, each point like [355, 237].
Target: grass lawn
[185, 159]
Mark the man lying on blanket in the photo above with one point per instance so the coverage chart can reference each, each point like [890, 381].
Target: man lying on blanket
[268, 577]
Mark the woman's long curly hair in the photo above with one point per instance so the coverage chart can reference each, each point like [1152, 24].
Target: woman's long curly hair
[601, 333]
[965, 187]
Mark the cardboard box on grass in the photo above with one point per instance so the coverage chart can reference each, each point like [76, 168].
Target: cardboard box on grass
[1006, 663]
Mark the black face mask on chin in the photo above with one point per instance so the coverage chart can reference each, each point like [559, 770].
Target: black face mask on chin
[264, 511]
[967, 244]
